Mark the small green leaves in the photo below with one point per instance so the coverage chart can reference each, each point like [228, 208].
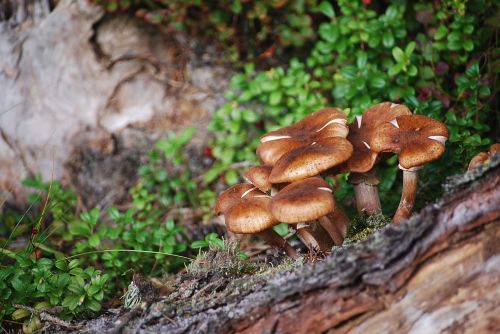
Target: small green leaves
[327, 9]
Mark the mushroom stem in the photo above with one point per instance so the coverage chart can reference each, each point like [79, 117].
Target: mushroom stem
[405, 207]
[336, 224]
[366, 194]
[314, 238]
[275, 239]
[332, 230]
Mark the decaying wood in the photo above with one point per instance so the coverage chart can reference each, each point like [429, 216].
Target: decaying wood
[438, 272]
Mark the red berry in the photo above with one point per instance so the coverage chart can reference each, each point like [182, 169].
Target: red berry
[207, 152]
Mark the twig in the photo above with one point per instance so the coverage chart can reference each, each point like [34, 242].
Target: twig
[48, 317]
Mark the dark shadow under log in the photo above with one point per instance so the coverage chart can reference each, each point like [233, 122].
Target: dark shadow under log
[439, 271]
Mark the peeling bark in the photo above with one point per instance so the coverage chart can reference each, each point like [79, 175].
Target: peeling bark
[438, 272]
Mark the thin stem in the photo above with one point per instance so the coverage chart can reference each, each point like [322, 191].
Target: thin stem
[276, 240]
[129, 251]
[405, 207]
[366, 193]
[314, 238]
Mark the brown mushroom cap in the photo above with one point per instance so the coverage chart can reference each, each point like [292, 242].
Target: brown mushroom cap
[250, 215]
[329, 122]
[482, 157]
[417, 139]
[311, 160]
[232, 196]
[495, 148]
[361, 132]
[303, 201]
[259, 177]
[478, 159]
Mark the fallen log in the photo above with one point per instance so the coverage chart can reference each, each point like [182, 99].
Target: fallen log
[438, 272]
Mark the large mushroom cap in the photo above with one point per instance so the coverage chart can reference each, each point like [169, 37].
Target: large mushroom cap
[303, 201]
[329, 122]
[311, 160]
[250, 215]
[362, 130]
[259, 177]
[232, 196]
[417, 139]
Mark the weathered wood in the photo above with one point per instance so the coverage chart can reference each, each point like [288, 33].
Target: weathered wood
[440, 271]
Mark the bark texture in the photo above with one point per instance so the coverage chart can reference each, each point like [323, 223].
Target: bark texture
[438, 272]
[83, 95]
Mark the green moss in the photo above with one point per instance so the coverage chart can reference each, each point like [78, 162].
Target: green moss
[364, 226]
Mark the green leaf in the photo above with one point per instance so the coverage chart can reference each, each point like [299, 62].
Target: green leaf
[412, 71]
[80, 229]
[409, 49]
[440, 32]
[398, 54]
[93, 305]
[61, 264]
[199, 244]
[327, 9]
[361, 60]
[484, 91]
[231, 177]
[388, 39]
[330, 33]
[396, 69]
[94, 241]
[468, 45]
[275, 98]
[377, 82]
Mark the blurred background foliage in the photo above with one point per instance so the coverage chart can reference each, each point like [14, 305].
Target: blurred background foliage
[292, 57]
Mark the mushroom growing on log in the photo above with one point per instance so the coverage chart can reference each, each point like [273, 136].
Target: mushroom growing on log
[438, 273]
[417, 140]
[363, 159]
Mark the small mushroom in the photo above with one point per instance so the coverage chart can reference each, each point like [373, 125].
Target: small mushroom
[246, 211]
[483, 157]
[259, 177]
[363, 159]
[417, 140]
[311, 160]
[325, 123]
[304, 201]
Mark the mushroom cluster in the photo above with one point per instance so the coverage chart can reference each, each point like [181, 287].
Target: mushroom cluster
[288, 187]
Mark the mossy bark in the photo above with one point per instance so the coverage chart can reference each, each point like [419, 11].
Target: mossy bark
[439, 271]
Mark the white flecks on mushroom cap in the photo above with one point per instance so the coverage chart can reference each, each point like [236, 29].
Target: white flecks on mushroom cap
[248, 191]
[393, 105]
[271, 138]
[441, 139]
[325, 189]
[359, 119]
[394, 122]
[333, 121]
[366, 144]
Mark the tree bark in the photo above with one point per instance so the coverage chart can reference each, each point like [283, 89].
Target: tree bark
[437, 272]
